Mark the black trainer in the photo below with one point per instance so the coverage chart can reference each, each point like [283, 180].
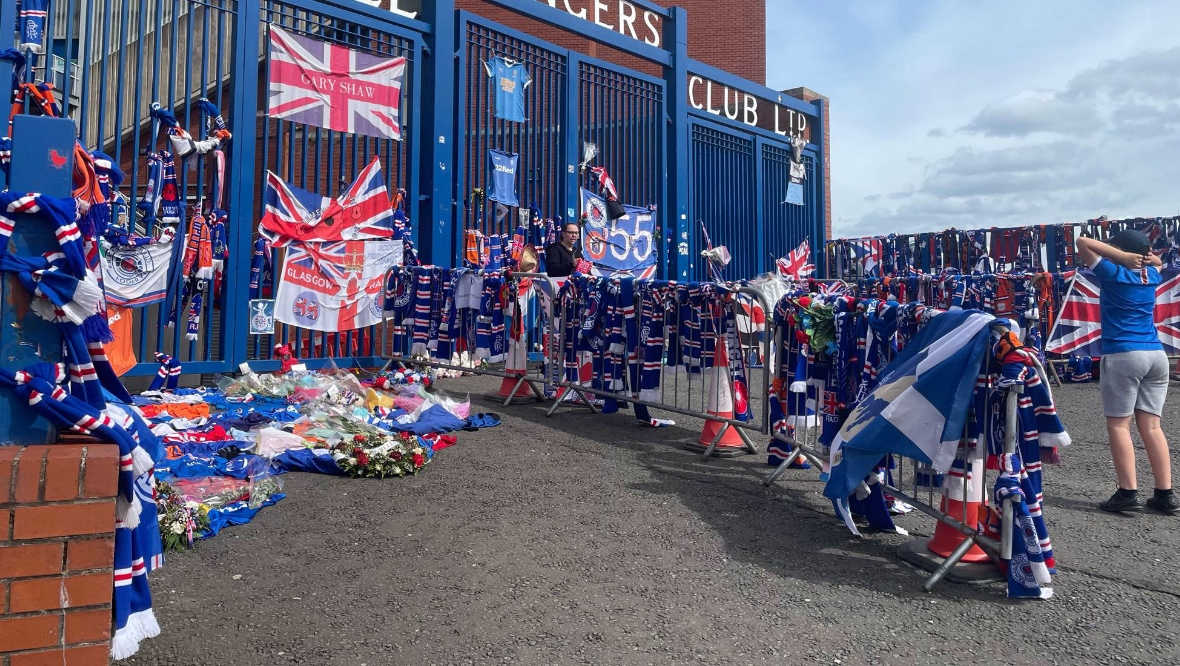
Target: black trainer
[1120, 502]
[1165, 504]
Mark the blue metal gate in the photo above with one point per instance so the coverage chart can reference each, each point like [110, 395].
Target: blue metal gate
[620, 111]
[110, 60]
[740, 160]
[324, 161]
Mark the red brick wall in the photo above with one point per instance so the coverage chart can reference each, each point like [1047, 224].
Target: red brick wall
[56, 553]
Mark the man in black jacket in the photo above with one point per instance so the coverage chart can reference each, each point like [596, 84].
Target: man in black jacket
[561, 257]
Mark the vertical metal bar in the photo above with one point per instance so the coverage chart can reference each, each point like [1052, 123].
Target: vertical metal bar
[68, 61]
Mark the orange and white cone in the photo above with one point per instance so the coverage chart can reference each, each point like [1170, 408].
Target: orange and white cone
[720, 404]
[964, 506]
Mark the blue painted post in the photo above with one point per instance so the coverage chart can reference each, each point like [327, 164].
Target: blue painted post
[240, 186]
[676, 222]
[572, 148]
[761, 222]
[437, 213]
[820, 201]
[25, 338]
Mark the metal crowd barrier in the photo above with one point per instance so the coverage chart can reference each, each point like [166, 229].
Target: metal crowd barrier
[519, 363]
[686, 386]
[695, 317]
[913, 482]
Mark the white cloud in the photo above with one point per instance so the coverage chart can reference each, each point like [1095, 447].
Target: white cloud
[1066, 110]
[1036, 111]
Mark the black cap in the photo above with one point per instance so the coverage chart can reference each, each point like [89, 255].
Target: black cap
[1129, 240]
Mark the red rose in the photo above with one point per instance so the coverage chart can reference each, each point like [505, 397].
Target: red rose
[362, 458]
[395, 455]
[801, 335]
[358, 438]
[419, 460]
[805, 301]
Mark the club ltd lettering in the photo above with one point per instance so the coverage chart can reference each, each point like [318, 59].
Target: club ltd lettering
[717, 99]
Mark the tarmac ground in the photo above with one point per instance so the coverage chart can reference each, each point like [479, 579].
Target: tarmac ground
[591, 539]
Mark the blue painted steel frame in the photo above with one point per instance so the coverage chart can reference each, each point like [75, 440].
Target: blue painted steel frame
[677, 225]
[434, 129]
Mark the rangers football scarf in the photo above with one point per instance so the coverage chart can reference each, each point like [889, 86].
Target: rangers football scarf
[399, 305]
[261, 268]
[651, 334]
[446, 329]
[737, 365]
[169, 372]
[30, 24]
[424, 287]
[153, 190]
[168, 203]
[1028, 569]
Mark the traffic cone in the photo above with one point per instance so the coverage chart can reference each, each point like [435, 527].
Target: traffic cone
[946, 538]
[966, 508]
[720, 404]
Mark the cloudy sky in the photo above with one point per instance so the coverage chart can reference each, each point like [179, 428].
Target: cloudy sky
[949, 113]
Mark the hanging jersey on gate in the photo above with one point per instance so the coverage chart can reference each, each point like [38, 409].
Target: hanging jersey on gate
[502, 177]
[509, 79]
[121, 351]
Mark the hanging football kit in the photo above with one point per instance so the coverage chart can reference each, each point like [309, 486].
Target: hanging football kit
[509, 80]
[502, 177]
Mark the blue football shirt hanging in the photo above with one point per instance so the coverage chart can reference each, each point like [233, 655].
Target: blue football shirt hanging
[502, 177]
[509, 79]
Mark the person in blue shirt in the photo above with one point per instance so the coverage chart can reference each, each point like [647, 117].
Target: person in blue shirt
[1134, 365]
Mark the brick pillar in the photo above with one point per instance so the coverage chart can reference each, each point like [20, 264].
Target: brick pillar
[808, 95]
[57, 549]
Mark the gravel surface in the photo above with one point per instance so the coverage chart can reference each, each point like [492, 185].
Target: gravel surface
[584, 539]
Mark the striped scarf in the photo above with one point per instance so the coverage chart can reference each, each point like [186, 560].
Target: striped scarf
[1029, 570]
[424, 286]
[169, 371]
[653, 295]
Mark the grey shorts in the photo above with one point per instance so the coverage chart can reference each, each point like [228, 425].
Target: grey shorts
[1134, 380]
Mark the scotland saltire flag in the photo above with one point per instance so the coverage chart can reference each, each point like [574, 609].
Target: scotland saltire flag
[1078, 329]
[362, 212]
[919, 407]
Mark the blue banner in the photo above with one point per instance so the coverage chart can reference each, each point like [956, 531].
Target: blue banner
[625, 246]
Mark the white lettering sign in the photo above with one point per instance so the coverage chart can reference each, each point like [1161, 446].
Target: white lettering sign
[621, 20]
[742, 106]
[393, 7]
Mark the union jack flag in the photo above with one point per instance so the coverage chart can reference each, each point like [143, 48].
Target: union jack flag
[334, 87]
[868, 255]
[1078, 330]
[324, 259]
[797, 265]
[362, 212]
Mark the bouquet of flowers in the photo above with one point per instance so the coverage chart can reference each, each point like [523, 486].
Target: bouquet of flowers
[179, 519]
[816, 325]
[379, 456]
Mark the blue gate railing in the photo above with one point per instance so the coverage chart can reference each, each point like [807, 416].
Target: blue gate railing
[110, 60]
